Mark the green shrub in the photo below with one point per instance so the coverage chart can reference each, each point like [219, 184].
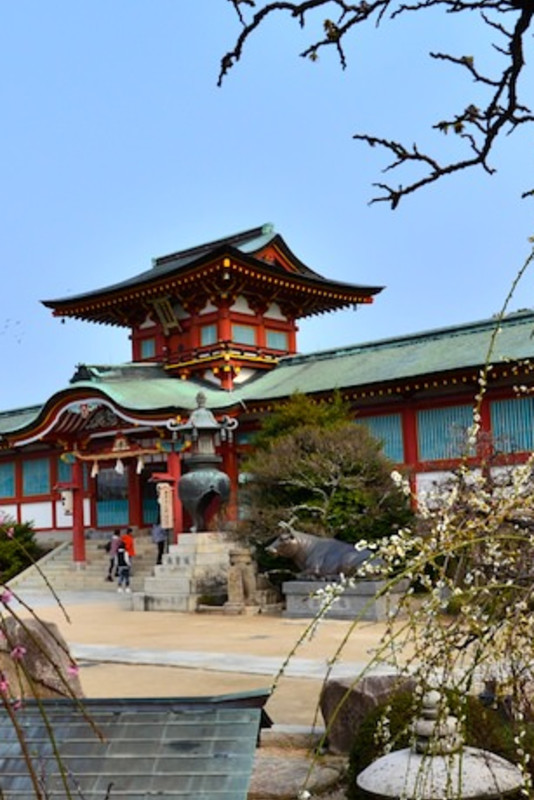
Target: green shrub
[18, 548]
[333, 482]
[366, 749]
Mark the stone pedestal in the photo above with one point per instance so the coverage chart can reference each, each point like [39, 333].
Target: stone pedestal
[360, 601]
[241, 581]
[248, 592]
[193, 571]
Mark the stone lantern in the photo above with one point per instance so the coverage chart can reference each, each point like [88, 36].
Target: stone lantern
[438, 766]
[203, 482]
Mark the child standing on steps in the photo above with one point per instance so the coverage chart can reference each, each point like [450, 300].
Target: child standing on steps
[122, 562]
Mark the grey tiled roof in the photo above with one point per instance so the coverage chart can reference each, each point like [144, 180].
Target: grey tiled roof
[175, 748]
[248, 243]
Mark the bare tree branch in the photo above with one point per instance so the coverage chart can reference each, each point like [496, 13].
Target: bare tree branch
[479, 125]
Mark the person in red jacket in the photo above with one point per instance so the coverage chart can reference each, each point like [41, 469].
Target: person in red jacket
[129, 544]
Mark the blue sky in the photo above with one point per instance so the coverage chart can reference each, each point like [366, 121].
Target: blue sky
[118, 146]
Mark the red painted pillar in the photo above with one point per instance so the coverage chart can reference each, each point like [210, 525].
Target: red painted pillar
[78, 530]
[411, 452]
[485, 443]
[174, 468]
[261, 337]
[224, 326]
[194, 331]
[226, 378]
[292, 339]
[134, 495]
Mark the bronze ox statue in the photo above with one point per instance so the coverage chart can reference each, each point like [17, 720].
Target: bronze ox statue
[316, 557]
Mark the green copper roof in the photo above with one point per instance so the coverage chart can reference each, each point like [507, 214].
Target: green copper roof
[135, 388]
[442, 350]
[18, 418]
[388, 360]
[147, 388]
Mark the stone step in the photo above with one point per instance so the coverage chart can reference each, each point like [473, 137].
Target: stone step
[141, 601]
[167, 585]
[172, 561]
[197, 543]
[63, 574]
[194, 567]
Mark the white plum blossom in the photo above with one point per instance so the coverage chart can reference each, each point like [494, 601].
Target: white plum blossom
[401, 482]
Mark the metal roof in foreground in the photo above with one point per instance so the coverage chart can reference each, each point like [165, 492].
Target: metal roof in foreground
[177, 748]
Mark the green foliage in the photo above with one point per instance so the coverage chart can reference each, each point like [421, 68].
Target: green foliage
[299, 411]
[18, 549]
[330, 480]
[491, 729]
[366, 747]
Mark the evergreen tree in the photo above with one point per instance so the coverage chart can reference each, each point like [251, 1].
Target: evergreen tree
[322, 473]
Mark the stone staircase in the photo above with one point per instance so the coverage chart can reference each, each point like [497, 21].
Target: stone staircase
[193, 572]
[64, 575]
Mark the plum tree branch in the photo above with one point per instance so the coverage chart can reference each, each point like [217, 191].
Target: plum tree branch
[479, 125]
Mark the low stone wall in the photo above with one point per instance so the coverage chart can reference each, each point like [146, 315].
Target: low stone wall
[360, 601]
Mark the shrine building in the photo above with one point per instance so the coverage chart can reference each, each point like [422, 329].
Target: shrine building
[220, 319]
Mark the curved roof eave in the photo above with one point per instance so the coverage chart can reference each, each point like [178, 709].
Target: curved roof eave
[185, 265]
[138, 402]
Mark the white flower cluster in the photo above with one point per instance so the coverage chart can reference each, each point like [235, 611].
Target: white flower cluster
[401, 482]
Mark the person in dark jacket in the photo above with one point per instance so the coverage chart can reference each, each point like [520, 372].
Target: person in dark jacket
[122, 561]
[159, 537]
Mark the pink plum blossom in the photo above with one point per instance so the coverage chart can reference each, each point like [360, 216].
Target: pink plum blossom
[6, 596]
[18, 652]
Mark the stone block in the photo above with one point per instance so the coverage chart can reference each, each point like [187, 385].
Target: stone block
[154, 602]
[344, 706]
[166, 584]
[48, 664]
[362, 601]
[193, 571]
